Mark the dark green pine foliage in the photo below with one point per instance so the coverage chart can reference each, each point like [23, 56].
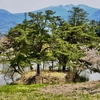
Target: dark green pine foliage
[28, 39]
[46, 37]
[69, 38]
[19, 43]
[77, 16]
[66, 45]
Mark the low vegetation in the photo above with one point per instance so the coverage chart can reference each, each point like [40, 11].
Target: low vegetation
[46, 77]
[79, 91]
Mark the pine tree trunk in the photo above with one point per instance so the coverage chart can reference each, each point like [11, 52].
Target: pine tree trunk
[38, 70]
[75, 77]
[52, 64]
[63, 68]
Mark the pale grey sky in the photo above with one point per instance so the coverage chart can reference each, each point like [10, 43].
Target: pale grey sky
[16, 6]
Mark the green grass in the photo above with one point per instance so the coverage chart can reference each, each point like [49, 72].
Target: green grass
[32, 92]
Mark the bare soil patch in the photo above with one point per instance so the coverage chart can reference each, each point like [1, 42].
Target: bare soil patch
[73, 89]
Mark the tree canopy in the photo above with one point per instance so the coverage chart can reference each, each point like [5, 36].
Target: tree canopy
[77, 16]
[46, 37]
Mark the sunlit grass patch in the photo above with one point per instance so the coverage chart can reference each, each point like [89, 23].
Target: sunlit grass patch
[20, 88]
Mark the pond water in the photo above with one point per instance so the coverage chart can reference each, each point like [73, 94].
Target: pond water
[91, 76]
[4, 67]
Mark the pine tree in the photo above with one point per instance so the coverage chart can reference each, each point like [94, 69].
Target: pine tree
[77, 16]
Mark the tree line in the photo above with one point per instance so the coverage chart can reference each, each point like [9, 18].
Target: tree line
[46, 37]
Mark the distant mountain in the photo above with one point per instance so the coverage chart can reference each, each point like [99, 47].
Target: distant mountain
[8, 20]
[95, 15]
[88, 9]
[63, 10]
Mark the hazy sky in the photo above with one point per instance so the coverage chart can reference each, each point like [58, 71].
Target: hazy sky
[15, 6]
